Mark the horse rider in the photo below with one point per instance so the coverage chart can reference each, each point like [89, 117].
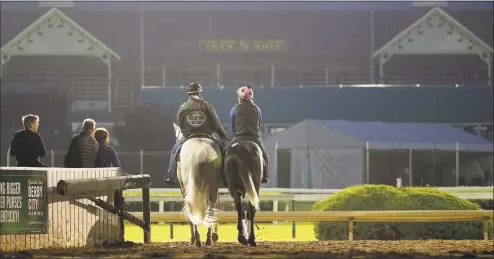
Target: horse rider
[194, 117]
[245, 123]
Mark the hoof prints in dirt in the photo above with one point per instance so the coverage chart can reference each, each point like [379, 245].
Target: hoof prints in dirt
[437, 249]
[119, 244]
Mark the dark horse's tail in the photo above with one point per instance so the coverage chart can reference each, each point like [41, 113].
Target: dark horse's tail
[248, 159]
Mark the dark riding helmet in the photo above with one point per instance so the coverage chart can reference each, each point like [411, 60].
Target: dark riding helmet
[194, 88]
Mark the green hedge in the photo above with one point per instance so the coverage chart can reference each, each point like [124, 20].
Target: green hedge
[384, 197]
[485, 204]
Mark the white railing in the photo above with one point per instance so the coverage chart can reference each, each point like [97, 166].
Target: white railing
[290, 194]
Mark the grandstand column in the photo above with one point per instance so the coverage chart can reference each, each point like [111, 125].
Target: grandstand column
[108, 61]
[272, 75]
[141, 44]
[381, 71]
[326, 74]
[163, 76]
[371, 45]
[218, 74]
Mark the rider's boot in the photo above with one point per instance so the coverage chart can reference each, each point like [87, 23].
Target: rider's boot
[171, 176]
[170, 180]
[265, 175]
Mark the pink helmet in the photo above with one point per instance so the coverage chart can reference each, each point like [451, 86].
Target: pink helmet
[245, 93]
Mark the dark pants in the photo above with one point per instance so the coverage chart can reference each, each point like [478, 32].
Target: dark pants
[172, 166]
[258, 141]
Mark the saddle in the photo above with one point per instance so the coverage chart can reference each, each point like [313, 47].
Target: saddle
[198, 135]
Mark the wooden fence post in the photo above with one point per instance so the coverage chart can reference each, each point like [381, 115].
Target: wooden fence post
[350, 228]
[486, 228]
[146, 214]
[118, 201]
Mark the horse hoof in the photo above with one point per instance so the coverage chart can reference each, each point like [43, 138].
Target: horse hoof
[209, 243]
[252, 243]
[215, 237]
[242, 240]
[199, 244]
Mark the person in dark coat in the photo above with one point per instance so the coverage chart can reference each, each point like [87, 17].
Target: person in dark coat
[245, 123]
[83, 148]
[27, 145]
[107, 156]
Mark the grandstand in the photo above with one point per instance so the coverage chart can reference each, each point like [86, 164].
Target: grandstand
[93, 59]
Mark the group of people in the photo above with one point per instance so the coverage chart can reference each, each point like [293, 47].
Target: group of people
[90, 148]
[198, 117]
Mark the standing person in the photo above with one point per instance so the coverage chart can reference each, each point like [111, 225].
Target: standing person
[107, 156]
[245, 123]
[195, 116]
[83, 147]
[27, 145]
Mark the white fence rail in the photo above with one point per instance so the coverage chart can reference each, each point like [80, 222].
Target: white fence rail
[288, 194]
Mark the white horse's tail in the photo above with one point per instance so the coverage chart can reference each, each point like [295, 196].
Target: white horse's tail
[196, 200]
[248, 183]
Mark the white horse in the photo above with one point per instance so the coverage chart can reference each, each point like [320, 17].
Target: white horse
[199, 172]
[243, 171]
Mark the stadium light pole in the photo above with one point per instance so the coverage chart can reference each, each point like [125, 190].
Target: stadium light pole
[141, 23]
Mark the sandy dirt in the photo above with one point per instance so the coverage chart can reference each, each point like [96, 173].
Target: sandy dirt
[325, 249]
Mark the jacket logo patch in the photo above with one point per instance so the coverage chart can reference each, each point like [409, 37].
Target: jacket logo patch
[195, 118]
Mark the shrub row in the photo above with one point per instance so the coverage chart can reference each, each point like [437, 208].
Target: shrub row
[383, 197]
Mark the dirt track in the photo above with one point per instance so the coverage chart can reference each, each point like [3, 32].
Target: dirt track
[328, 249]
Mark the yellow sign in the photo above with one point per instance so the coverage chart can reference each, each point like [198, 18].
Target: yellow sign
[241, 45]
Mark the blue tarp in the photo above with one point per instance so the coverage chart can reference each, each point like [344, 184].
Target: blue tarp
[416, 136]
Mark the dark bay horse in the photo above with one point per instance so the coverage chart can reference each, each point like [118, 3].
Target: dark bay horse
[243, 171]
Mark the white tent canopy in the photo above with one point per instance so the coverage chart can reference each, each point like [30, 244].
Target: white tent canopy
[55, 34]
[335, 153]
[435, 33]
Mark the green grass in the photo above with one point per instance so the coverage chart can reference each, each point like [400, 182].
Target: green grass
[226, 232]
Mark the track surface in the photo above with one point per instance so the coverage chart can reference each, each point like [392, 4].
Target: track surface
[325, 249]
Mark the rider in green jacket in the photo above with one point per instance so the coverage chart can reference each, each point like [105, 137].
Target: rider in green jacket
[195, 116]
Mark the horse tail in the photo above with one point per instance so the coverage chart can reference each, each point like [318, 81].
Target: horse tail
[248, 183]
[196, 197]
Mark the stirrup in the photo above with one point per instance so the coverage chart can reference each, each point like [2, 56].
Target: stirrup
[170, 180]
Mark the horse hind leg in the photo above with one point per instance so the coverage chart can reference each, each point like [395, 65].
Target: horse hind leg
[212, 236]
[250, 216]
[197, 235]
[241, 226]
[192, 234]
